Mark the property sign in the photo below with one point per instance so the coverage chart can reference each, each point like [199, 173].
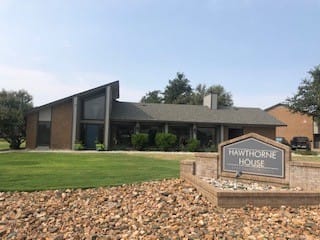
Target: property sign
[253, 156]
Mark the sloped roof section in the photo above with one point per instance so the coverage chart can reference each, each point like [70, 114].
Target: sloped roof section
[127, 111]
[115, 95]
[276, 105]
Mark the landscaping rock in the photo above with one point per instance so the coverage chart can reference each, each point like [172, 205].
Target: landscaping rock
[169, 209]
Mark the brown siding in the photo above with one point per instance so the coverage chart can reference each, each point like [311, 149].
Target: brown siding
[61, 126]
[31, 131]
[297, 124]
[269, 132]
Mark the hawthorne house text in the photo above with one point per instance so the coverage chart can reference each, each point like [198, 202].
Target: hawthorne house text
[259, 158]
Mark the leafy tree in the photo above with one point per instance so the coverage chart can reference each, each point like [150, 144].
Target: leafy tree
[307, 98]
[224, 98]
[13, 107]
[198, 94]
[152, 97]
[178, 90]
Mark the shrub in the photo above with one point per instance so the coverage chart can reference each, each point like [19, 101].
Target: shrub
[78, 146]
[213, 148]
[139, 140]
[165, 140]
[193, 145]
[100, 147]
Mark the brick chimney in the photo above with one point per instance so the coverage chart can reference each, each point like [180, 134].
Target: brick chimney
[211, 101]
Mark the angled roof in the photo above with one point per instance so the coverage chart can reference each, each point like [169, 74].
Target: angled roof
[127, 111]
[115, 95]
[276, 105]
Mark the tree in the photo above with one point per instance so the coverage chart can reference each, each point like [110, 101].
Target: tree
[307, 98]
[178, 90]
[152, 97]
[13, 107]
[198, 94]
[224, 98]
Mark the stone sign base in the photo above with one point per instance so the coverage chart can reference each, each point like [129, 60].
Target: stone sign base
[206, 165]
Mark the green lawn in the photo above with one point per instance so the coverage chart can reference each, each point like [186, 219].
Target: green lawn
[306, 158]
[3, 145]
[28, 171]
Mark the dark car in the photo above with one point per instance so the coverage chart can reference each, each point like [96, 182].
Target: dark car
[300, 143]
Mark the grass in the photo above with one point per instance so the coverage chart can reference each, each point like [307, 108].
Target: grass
[306, 158]
[29, 171]
[4, 145]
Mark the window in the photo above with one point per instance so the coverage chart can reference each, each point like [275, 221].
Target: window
[121, 134]
[182, 133]
[235, 132]
[151, 130]
[44, 132]
[206, 136]
[94, 108]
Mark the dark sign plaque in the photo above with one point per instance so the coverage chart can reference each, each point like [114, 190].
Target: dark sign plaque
[253, 156]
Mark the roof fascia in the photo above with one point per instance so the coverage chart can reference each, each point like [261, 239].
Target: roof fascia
[114, 84]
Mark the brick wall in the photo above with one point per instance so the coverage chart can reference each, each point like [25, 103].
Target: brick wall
[61, 126]
[31, 131]
[269, 132]
[187, 167]
[305, 175]
[297, 124]
[206, 165]
[300, 174]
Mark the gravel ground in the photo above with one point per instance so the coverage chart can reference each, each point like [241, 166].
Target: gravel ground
[168, 209]
[235, 185]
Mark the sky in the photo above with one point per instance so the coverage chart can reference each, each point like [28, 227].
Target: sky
[258, 50]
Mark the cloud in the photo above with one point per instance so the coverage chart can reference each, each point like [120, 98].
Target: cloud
[46, 86]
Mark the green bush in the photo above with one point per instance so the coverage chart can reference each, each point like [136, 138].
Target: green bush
[100, 147]
[213, 148]
[193, 145]
[78, 146]
[165, 141]
[139, 140]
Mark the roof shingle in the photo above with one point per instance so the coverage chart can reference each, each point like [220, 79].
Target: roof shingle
[127, 111]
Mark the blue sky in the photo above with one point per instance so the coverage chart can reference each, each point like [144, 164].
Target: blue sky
[259, 50]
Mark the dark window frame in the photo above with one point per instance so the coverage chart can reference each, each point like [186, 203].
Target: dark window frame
[39, 132]
[84, 100]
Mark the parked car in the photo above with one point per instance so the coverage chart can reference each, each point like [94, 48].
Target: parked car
[282, 140]
[300, 143]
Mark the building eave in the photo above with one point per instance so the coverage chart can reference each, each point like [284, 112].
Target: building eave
[80, 94]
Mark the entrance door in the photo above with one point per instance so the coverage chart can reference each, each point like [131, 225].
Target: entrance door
[93, 134]
[235, 132]
[43, 134]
